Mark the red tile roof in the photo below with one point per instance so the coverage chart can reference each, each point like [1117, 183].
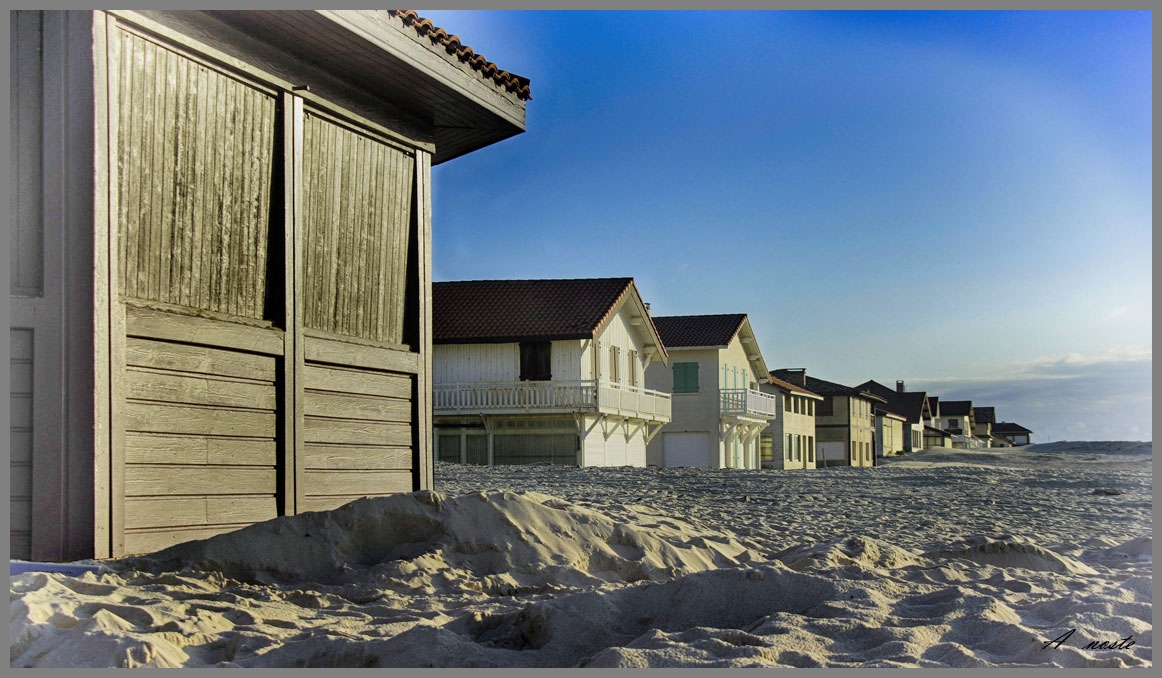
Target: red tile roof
[501, 311]
[511, 82]
[698, 330]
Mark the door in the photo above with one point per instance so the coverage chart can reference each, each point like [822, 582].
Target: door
[686, 449]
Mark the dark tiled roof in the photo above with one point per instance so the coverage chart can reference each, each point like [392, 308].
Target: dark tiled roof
[955, 408]
[909, 404]
[496, 311]
[788, 386]
[929, 429]
[451, 43]
[985, 415]
[828, 388]
[934, 404]
[698, 330]
[1009, 427]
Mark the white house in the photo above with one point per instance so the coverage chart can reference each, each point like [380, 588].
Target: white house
[714, 376]
[553, 371]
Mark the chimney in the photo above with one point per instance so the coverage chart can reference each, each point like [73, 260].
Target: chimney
[899, 386]
[797, 376]
[647, 305]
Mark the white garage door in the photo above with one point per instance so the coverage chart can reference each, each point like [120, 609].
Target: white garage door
[687, 449]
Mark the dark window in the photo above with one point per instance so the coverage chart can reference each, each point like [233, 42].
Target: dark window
[685, 377]
[535, 360]
[826, 407]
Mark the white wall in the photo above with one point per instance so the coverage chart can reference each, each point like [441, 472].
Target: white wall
[470, 363]
[618, 332]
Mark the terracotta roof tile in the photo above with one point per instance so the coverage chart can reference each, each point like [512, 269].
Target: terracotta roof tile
[698, 330]
[490, 71]
[496, 311]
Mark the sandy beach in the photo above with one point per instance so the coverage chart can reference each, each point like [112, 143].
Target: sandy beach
[940, 558]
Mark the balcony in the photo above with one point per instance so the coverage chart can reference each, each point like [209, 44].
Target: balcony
[550, 397]
[745, 402]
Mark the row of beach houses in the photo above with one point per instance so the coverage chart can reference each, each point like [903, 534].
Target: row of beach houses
[578, 372]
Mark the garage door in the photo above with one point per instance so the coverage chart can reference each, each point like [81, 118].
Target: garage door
[687, 449]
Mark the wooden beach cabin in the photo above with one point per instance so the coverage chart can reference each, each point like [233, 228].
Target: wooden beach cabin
[544, 371]
[220, 289]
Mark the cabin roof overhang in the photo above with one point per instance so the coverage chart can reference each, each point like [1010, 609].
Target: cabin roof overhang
[378, 53]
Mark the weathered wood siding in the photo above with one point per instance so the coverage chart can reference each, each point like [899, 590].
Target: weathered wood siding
[358, 435]
[200, 442]
[195, 161]
[20, 437]
[357, 214]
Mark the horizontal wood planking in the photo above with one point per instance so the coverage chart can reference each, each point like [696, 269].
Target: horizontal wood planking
[149, 540]
[318, 457]
[198, 359]
[357, 217]
[153, 481]
[357, 355]
[153, 448]
[20, 441]
[332, 482]
[196, 166]
[343, 406]
[153, 324]
[357, 381]
[198, 390]
[172, 512]
[355, 432]
[197, 420]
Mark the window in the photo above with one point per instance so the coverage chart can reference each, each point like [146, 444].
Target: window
[798, 448]
[535, 360]
[787, 448]
[826, 407]
[787, 403]
[811, 448]
[685, 377]
[614, 373]
[811, 407]
[631, 371]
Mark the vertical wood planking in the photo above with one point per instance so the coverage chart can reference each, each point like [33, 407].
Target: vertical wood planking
[196, 173]
[295, 263]
[357, 212]
[108, 254]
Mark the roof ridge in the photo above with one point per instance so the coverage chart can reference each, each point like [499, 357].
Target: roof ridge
[452, 45]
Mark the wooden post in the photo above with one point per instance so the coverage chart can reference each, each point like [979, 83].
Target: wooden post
[424, 479]
[295, 356]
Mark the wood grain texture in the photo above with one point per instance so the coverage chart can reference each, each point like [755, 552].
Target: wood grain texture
[352, 381]
[155, 324]
[196, 166]
[181, 512]
[341, 353]
[356, 212]
[353, 457]
[165, 448]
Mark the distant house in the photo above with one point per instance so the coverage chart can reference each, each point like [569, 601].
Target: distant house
[789, 441]
[1014, 433]
[714, 375]
[934, 412]
[844, 420]
[958, 418]
[221, 264]
[913, 406]
[544, 371]
[889, 433]
[983, 420]
[936, 437]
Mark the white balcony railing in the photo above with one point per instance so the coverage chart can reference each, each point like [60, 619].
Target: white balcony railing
[589, 395]
[748, 402]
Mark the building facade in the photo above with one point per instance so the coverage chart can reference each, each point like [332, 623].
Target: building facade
[220, 289]
[789, 441]
[550, 371]
[714, 375]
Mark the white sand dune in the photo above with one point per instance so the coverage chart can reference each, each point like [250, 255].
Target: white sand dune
[942, 558]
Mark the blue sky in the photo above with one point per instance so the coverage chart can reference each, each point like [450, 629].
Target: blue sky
[961, 200]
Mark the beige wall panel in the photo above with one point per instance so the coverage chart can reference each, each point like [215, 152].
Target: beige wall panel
[201, 359]
[153, 448]
[149, 480]
[198, 390]
[170, 512]
[319, 457]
